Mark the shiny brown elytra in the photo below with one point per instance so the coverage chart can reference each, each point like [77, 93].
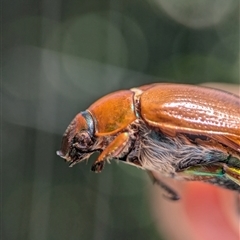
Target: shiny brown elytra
[182, 131]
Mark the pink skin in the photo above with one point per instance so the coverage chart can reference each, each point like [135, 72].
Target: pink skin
[204, 212]
[207, 214]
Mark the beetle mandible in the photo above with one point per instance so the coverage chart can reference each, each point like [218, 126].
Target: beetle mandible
[185, 132]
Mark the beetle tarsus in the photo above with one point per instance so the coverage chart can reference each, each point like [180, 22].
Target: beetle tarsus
[170, 193]
[97, 167]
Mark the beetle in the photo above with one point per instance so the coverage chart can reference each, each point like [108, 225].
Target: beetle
[182, 131]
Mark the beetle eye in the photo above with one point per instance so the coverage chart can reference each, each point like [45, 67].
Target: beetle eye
[82, 140]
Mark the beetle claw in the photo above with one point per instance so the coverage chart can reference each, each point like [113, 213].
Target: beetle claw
[97, 167]
[172, 197]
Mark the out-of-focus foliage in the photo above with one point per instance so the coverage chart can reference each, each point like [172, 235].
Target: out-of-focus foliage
[58, 57]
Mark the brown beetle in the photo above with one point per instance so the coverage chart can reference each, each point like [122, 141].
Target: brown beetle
[182, 131]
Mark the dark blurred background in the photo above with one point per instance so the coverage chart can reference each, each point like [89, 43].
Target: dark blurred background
[60, 56]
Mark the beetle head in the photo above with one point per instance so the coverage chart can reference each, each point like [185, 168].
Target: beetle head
[78, 141]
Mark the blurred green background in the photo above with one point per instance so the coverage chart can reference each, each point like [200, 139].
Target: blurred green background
[60, 56]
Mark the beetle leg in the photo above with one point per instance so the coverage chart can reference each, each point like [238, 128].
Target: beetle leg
[232, 173]
[111, 151]
[210, 157]
[198, 173]
[208, 173]
[170, 193]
